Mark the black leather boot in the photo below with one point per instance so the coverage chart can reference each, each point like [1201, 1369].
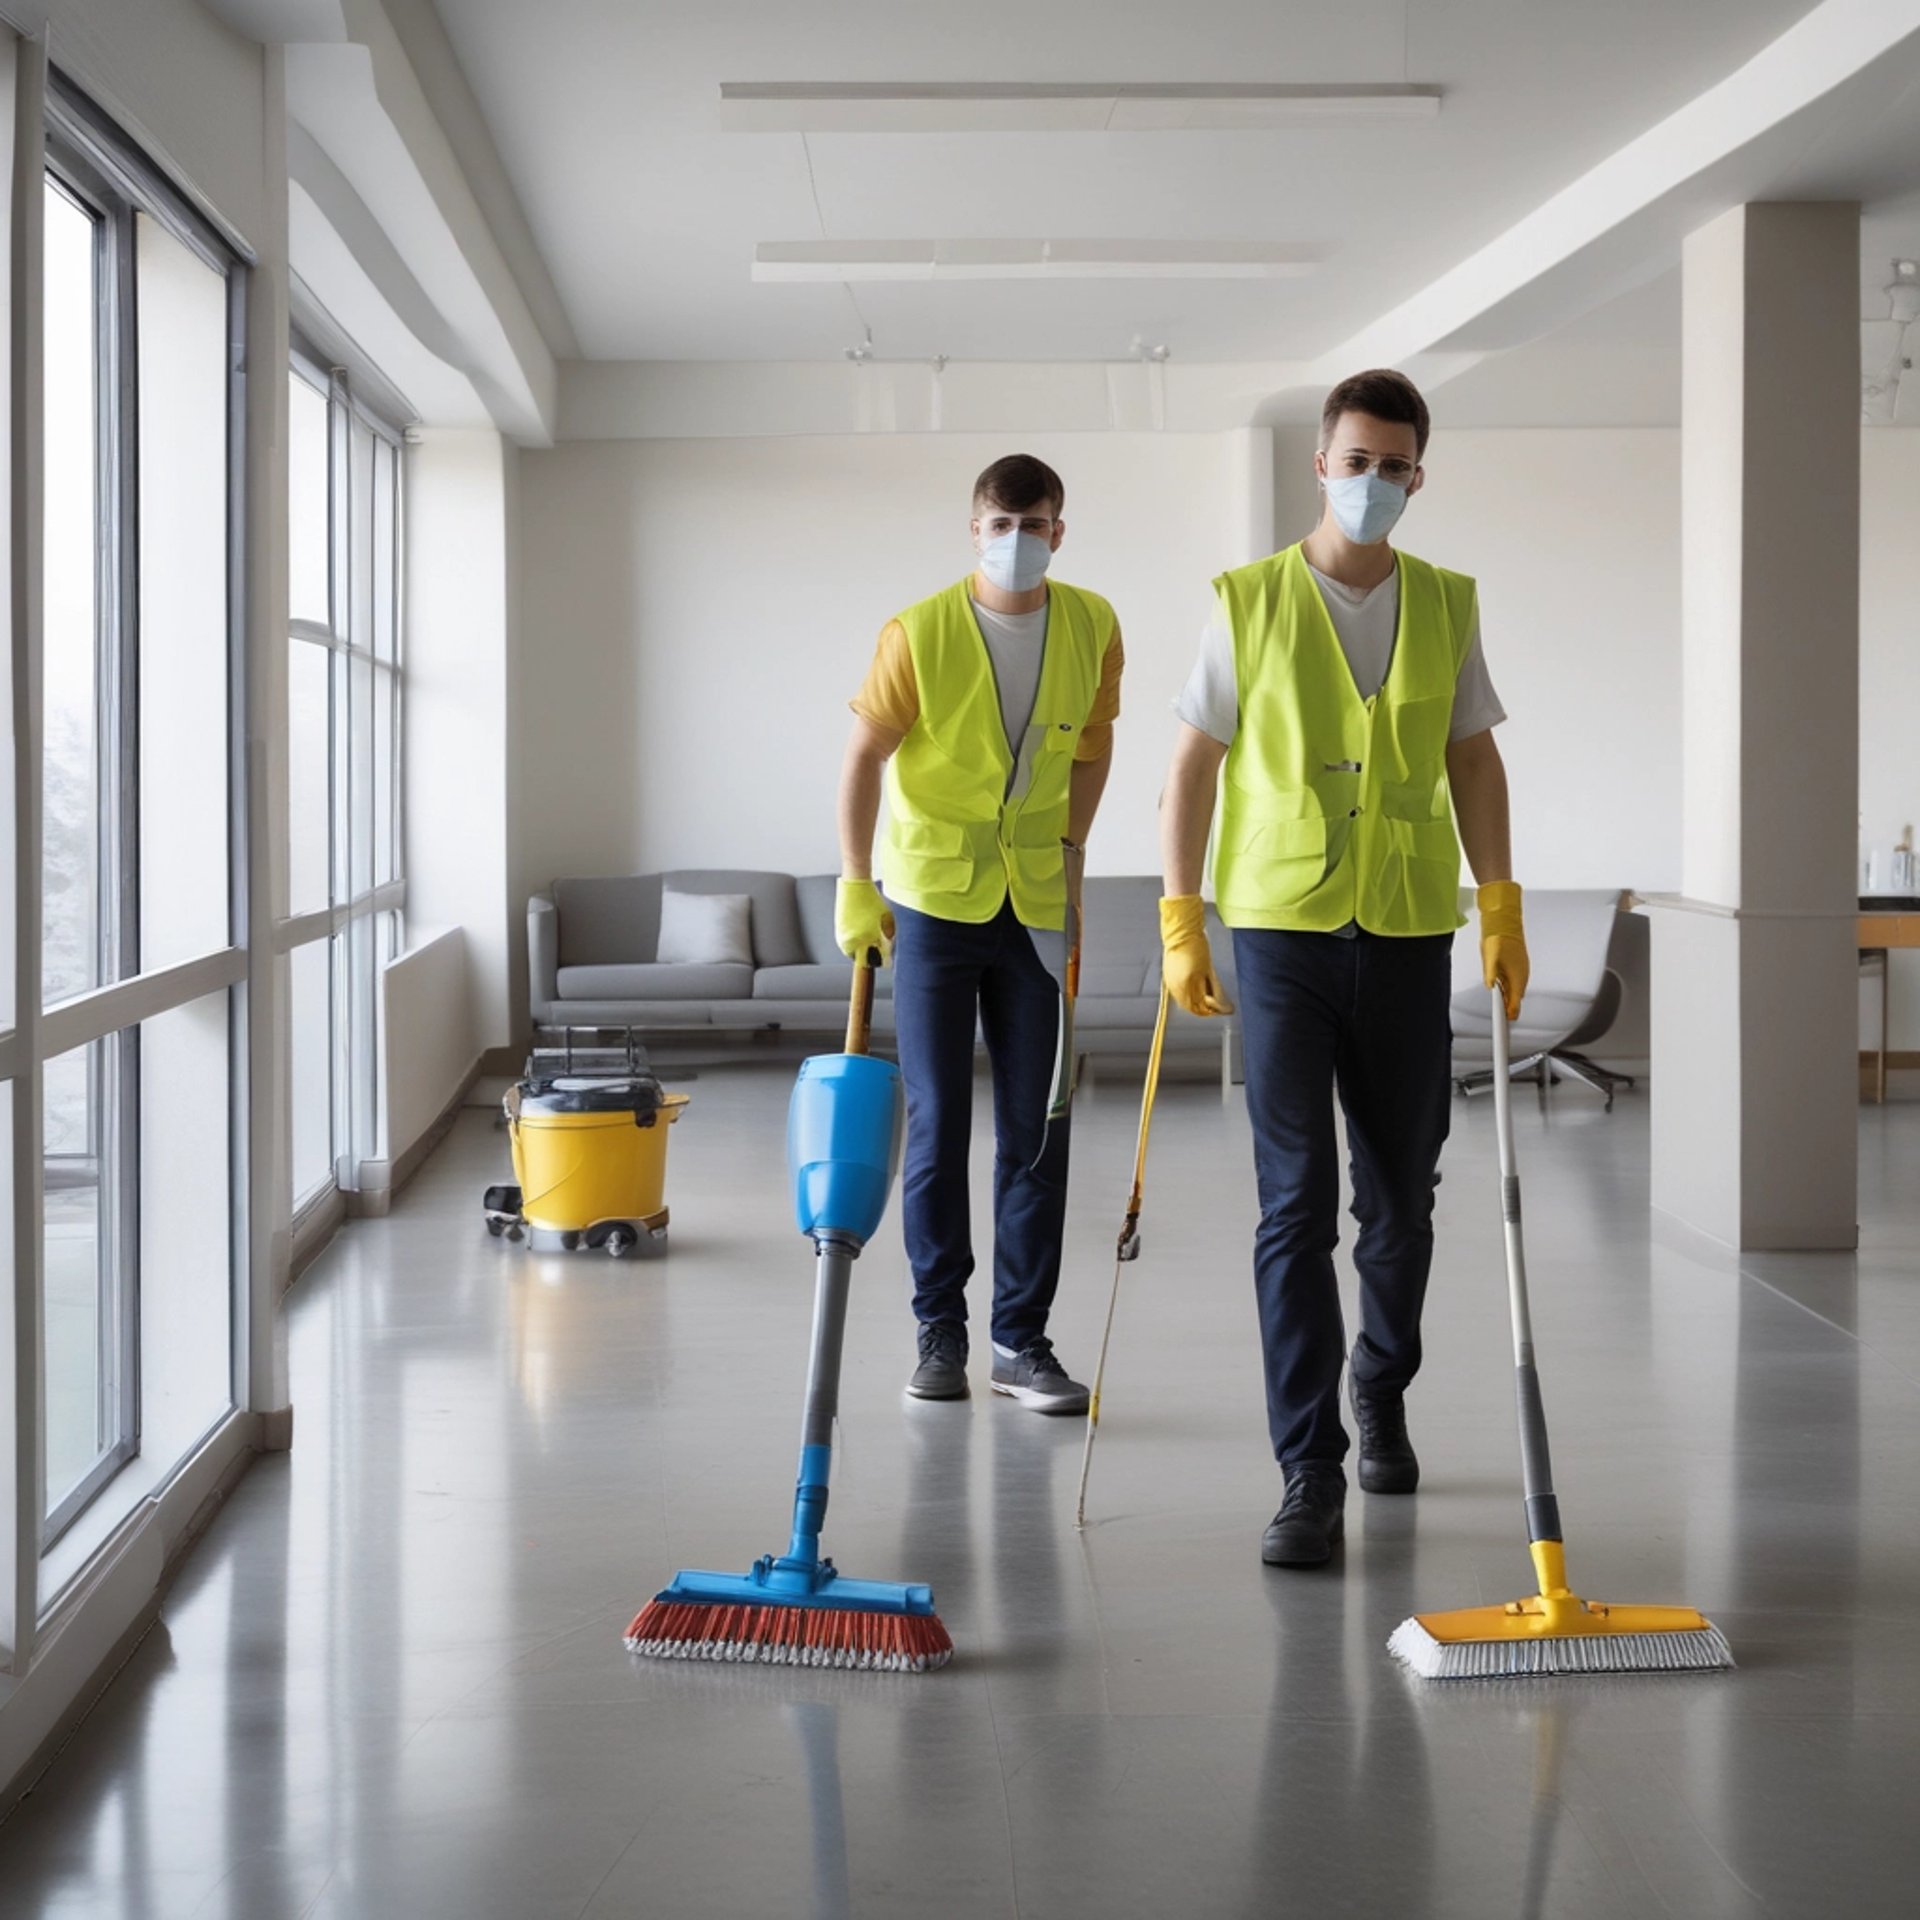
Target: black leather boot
[1312, 1518]
[1388, 1463]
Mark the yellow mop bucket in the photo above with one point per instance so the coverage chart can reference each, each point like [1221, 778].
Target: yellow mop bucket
[590, 1160]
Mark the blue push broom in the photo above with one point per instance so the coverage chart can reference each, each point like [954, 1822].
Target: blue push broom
[798, 1609]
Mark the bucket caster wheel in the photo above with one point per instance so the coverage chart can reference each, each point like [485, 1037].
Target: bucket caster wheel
[618, 1243]
[569, 1242]
[496, 1228]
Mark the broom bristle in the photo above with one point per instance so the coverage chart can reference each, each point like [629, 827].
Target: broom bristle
[791, 1636]
[1693, 1649]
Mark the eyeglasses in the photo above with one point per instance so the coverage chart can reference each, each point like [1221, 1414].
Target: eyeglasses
[1391, 468]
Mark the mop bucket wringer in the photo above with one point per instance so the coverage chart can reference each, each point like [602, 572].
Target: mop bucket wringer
[589, 1163]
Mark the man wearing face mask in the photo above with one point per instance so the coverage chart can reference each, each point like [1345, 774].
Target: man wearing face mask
[988, 712]
[1344, 688]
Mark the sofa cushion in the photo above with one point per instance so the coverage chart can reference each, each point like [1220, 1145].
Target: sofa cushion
[833, 982]
[705, 929]
[1120, 939]
[608, 921]
[612, 1015]
[1114, 1013]
[649, 980]
[814, 893]
[776, 919]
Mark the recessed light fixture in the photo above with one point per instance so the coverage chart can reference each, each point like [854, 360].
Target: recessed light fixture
[1903, 292]
[1019, 106]
[801, 261]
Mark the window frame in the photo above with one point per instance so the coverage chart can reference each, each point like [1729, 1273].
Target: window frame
[352, 1001]
[88, 158]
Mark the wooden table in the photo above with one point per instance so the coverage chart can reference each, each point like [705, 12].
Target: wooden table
[1881, 930]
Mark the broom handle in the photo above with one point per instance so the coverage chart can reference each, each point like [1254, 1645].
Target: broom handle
[833, 1258]
[860, 1011]
[1543, 1509]
[1128, 1245]
[832, 1283]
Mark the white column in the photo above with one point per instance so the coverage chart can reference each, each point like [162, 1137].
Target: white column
[1755, 1084]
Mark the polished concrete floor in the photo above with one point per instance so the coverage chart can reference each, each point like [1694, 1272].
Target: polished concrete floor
[390, 1682]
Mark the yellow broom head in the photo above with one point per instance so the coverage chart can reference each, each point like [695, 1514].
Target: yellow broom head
[1555, 1631]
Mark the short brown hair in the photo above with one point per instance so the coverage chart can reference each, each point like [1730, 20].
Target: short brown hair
[1382, 392]
[1017, 482]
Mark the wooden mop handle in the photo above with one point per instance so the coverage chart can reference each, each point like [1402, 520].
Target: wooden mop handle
[860, 1013]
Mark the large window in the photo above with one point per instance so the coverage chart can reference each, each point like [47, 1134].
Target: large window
[345, 889]
[140, 910]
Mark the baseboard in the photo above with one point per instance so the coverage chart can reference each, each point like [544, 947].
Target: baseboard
[1896, 1062]
[313, 1232]
[417, 1155]
[114, 1605]
[390, 1177]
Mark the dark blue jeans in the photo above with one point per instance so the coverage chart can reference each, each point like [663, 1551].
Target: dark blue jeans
[1367, 1016]
[945, 973]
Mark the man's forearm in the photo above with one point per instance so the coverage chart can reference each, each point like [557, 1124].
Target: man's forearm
[1085, 786]
[1478, 780]
[859, 809]
[1186, 811]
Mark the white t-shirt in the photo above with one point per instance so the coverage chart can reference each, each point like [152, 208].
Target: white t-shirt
[1016, 645]
[1365, 619]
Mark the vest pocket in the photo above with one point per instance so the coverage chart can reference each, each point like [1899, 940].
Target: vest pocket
[1038, 866]
[1419, 729]
[1424, 839]
[934, 856]
[1283, 859]
[1417, 805]
[1427, 856]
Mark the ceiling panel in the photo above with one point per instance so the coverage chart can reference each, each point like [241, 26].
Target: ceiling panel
[607, 116]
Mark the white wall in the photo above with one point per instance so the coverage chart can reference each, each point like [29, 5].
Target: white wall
[1890, 686]
[426, 1031]
[1575, 540]
[458, 693]
[698, 613]
[651, 731]
[188, 88]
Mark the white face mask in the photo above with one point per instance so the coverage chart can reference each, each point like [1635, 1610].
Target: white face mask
[1365, 507]
[1016, 562]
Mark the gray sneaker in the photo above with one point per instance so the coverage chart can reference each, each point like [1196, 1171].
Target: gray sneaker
[942, 1372]
[1037, 1380]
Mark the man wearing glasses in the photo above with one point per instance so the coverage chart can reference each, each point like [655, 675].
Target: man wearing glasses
[988, 712]
[1344, 688]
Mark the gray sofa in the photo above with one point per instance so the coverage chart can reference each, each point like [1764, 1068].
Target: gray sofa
[591, 946]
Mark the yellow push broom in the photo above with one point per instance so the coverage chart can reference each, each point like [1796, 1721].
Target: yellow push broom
[1554, 1630]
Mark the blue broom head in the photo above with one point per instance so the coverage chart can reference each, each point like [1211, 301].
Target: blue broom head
[790, 1612]
[844, 1130]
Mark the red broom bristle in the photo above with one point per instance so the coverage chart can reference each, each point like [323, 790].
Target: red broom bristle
[791, 1636]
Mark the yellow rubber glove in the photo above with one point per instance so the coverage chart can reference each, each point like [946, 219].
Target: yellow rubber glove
[1503, 944]
[861, 921]
[1186, 959]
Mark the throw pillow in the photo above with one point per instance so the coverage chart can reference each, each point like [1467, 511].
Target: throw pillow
[705, 929]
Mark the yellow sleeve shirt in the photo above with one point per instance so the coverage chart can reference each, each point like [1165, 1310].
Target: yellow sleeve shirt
[889, 696]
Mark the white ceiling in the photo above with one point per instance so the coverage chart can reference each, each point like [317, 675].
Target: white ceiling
[605, 113]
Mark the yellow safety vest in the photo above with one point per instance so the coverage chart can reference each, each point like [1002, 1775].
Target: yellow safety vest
[957, 844]
[1309, 750]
